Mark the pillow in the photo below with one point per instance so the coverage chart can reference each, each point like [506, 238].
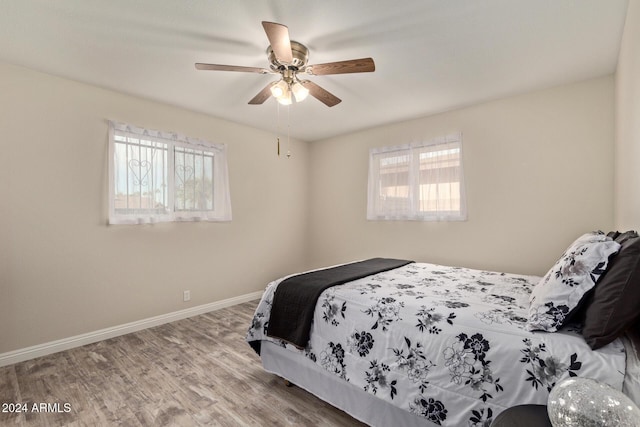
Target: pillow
[623, 237]
[614, 305]
[594, 236]
[613, 234]
[562, 288]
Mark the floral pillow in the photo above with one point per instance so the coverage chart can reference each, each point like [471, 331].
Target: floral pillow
[571, 277]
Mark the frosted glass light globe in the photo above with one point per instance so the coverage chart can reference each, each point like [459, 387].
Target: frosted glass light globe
[583, 402]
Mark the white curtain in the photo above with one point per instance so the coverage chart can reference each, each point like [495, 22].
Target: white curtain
[157, 176]
[417, 181]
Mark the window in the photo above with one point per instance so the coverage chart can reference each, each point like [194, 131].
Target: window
[420, 181]
[158, 176]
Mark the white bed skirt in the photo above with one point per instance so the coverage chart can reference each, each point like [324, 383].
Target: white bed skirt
[356, 402]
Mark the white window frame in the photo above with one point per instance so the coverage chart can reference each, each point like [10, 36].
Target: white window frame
[155, 142]
[410, 197]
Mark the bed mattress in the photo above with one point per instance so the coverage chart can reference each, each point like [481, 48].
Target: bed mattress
[445, 344]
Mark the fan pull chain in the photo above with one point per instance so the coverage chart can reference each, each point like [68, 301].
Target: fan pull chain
[288, 133]
[278, 126]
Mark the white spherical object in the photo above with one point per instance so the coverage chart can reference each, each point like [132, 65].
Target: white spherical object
[584, 402]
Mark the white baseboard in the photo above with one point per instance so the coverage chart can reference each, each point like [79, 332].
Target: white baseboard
[28, 353]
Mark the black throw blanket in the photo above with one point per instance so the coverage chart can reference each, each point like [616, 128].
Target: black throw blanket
[295, 298]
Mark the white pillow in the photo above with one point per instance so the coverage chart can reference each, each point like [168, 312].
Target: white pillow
[570, 278]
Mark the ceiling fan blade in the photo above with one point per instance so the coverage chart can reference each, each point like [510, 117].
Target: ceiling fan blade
[278, 36]
[322, 95]
[262, 96]
[363, 65]
[217, 67]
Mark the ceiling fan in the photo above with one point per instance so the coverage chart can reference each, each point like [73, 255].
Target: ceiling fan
[289, 59]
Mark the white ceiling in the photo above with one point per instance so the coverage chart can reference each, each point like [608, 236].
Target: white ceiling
[431, 55]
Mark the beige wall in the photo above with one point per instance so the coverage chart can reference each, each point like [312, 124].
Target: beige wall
[627, 157]
[539, 172]
[64, 272]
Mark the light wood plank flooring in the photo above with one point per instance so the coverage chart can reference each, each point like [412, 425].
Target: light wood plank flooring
[197, 371]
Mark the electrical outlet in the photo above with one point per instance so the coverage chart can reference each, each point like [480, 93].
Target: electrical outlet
[186, 296]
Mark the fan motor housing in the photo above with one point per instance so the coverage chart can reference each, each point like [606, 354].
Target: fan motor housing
[300, 57]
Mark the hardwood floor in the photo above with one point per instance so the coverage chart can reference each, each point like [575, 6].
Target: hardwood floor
[197, 371]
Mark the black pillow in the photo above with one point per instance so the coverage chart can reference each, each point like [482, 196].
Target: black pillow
[613, 234]
[614, 305]
[623, 237]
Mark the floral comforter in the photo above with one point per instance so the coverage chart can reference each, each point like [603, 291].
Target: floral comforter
[446, 343]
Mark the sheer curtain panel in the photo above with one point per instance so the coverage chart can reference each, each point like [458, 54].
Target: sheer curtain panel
[418, 181]
[157, 176]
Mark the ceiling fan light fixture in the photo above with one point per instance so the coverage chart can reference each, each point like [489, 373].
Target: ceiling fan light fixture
[285, 99]
[299, 91]
[288, 58]
[279, 88]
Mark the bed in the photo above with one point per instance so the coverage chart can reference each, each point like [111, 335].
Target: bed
[426, 344]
